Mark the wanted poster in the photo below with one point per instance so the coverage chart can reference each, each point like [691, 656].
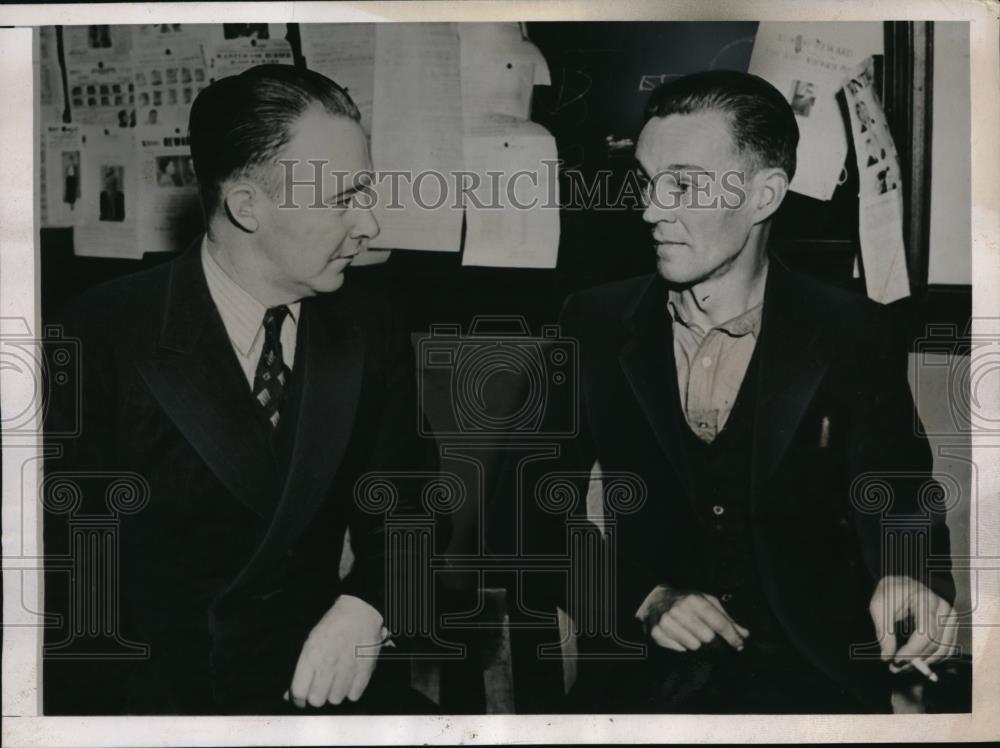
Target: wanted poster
[109, 190]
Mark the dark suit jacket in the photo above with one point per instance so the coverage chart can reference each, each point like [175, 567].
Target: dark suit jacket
[824, 354]
[112, 206]
[236, 554]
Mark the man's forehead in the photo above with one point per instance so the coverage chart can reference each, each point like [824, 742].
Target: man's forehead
[701, 139]
[334, 139]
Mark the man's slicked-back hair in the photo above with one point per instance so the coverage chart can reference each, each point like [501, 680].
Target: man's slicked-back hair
[761, 120]
[240, 124]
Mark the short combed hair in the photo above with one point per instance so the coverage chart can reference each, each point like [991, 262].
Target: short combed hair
[761, 120]
[240, 124]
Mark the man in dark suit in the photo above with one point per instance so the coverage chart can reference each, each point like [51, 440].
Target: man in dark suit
[112, 199]
[247, 399]
[767, 416]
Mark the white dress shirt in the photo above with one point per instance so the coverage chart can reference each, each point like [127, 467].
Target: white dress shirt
[243, 317]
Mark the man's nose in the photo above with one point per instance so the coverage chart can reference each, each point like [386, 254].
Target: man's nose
[366, 227]
[656, 211]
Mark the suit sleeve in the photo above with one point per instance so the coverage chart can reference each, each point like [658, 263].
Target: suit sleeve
[893, 492]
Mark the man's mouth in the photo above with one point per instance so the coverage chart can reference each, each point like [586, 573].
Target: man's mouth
[348, 256]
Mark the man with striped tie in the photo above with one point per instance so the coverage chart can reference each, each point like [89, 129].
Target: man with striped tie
[250, 399]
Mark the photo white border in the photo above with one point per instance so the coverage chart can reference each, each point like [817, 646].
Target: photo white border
[19, 298]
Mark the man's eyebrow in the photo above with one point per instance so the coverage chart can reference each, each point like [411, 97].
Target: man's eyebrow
[683, 167]
[671, 169]
[349, 191]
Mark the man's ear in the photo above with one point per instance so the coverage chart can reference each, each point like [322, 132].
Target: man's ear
[241, 206]
[770, 188]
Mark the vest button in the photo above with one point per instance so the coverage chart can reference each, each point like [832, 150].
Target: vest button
[718, 511]
[725, 597]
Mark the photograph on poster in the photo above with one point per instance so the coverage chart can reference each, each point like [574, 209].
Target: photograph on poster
[112, 197]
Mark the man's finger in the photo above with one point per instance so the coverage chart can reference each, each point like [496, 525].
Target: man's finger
[943, 652]
[665, 641]
[918, 645]
[929, 612]
[341, 682]
[361, 680]
[722, 625]
[886, 637]
[949, 635]
[691, 620]
[320, 688]
[741, 630]
[301, 681]
[714, 602]
[672, 628]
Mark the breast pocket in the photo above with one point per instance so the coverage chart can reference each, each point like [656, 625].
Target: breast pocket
[811, 474]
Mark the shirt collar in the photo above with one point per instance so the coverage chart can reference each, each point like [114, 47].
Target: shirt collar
[745, 323]
[241, 313]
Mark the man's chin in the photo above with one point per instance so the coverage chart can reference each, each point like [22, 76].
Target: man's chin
[673, 273]
[329, 284]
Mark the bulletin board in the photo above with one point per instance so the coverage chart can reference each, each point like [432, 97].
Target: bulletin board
[600, 77]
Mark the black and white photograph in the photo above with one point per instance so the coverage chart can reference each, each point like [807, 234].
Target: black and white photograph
[99, 37]
[175, 171]
[112, 203]
[803, 98]
[618, 377]
[245, 30]
[71, 177]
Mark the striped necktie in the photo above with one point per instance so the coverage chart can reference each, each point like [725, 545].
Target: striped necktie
[270, 383]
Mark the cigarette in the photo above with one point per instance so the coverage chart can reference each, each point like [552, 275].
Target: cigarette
[922, 667]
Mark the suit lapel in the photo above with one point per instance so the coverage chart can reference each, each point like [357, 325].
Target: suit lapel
[647, 358]
[332, 369]
[795, 352]
[197, 380]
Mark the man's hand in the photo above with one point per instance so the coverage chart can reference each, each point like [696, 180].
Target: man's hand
[329, 668]
[683, 620]
[898, 598]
